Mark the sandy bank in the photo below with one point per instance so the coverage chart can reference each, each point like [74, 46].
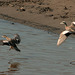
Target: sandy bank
[41, 14]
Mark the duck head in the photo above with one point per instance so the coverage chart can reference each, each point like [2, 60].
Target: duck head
[63, 22]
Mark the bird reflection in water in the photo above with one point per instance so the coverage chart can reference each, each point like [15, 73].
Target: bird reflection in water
[13, 67]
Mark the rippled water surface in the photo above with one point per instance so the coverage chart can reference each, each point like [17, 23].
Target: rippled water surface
[39, 54]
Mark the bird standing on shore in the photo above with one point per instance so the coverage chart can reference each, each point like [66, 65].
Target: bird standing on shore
[68, 31]
[11, 42]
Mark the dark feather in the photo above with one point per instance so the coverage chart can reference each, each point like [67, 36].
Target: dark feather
[67, 34]
[4, 42]
[14, 45]
[17, 39]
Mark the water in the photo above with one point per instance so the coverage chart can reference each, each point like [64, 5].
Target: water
[39, 54]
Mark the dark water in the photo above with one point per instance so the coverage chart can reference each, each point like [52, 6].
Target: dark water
[39, 54]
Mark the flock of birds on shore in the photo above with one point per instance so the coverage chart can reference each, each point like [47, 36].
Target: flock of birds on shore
[16, 40]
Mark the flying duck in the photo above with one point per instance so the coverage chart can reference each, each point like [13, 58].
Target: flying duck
[11, 42]
[68, 31]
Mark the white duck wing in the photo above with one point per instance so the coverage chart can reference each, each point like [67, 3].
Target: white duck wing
[4, 42]
[63, 36]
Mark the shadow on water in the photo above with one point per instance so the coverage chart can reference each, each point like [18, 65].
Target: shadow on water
[39, 54]
[12, 68]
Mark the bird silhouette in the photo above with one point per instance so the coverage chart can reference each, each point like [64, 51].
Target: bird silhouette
[11, 42]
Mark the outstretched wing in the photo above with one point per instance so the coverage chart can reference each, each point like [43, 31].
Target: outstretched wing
[16, 39]
[4, 42]
[63, 36]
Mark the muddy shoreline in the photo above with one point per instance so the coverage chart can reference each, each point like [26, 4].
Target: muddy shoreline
[31, 24]
[40, 14]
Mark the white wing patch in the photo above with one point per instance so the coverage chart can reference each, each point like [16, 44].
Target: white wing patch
[73, 22]
[5, 41]
[62, 37]
[65, 32]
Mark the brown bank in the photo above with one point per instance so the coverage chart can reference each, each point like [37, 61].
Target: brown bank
[41, 14]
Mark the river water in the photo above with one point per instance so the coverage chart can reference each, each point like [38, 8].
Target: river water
[39, 53]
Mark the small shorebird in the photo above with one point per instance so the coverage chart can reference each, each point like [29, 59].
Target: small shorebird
[68, 31]
[11, 42]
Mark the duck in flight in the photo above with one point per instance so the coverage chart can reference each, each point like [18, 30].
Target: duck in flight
[11, 42]
[68, 31]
